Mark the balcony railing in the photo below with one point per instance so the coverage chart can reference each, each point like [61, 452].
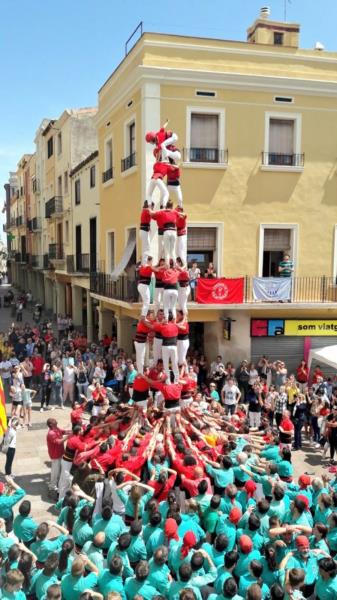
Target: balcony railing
[282, 160]
[121, 289]
[206, 155]
[78, 263]
[35, 261]
[106, 175]
[304, 290]
[54, 206]
[55, 252]
[19, 221]
[128, 162]
[12, 222]
[36, 224]
[21, 257]
[46, 262]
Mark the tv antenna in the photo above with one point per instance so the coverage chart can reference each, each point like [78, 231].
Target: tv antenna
[285, 4]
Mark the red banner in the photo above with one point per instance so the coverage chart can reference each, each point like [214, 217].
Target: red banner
[220, 291]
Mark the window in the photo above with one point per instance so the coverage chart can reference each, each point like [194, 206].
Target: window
[283, 141]
[108, 172]
[78, 191]
[130, 146]
[50, 147]
[65, 182]
[204, 138]
[92, 176]
[59, 185]
[275, 241]
[201, 246]
[278, 38]
[111, 251]
[59, 143]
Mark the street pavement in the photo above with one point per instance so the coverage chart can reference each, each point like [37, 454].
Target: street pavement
[31, 464]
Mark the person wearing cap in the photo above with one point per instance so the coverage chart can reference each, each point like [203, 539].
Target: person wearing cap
[182, 552]
[227, 525]
[10, 495]
[303, 558]
[246, 554]
[299, 512]
[303, 488]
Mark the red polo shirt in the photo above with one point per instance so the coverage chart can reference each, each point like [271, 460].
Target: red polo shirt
[55, 449]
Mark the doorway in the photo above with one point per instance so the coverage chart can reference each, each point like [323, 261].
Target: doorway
[93, 244]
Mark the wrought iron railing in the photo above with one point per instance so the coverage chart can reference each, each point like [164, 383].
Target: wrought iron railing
[120, 289]
[78, 263]
[282, 160]
[128, 162]
[106, 175]
[206, 155]
[54, 206]
[55, 252]
[36, 224]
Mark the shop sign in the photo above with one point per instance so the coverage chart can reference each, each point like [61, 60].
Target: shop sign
[293, 327]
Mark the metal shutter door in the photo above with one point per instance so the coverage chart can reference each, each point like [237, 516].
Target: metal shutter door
[289, 349]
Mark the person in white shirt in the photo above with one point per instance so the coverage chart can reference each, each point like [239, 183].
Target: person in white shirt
[99, 372]
[69, 381]
[230, 396]
[5, 374]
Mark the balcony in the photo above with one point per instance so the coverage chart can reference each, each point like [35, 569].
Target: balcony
[55, 252]
[19, 221]
[273, 159]
[206, 155]
[54, 207]
[12, 222]
[20, 257]
[36, 224]
[79, 263]
[128, 162]
[122, 289]
[304, 290]
[35, 261]
[107, 175]
[46, 262]
[36, 186]
[4, 228]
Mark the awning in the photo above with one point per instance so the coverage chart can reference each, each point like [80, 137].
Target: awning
[129, 248]
[326, 355]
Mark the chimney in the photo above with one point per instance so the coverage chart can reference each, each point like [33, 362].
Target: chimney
[273, 33]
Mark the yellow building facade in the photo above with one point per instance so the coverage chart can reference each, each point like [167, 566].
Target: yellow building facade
[257, 130]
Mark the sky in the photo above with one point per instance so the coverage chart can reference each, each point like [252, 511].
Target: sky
[55, 54]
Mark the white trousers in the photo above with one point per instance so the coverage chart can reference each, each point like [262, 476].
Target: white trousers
[157, 347]
[55, 472]
[186, 402]
[145, 241]
[65, 478]
[182, 349]
[164, 194]
[254, 419]
[178, 193]
[183, 294]
[144, 292]
[170, 238]
[160, 246]
[158, 297]
[140, 348]
[170, 298]
[181, 247]
[170, 352]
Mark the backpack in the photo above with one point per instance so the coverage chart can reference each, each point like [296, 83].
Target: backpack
[107, 499]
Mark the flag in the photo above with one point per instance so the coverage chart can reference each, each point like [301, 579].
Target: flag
[272, 289]
[220, 291]
[3, 417]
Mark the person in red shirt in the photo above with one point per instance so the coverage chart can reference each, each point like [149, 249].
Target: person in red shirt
[55, 445]
[167, 218]
[159, 288]
[171, 393]
[286, 429]
[170, 295]
[302, 375]
[141, 390]
[191, 485]
[74, 444]
[142, 331]
[158, 339]
[181, 245]
[144, 231]
[317, 373]
[183, 341]
[76, 414]
[184, 288]
[163, 484]
[189, 388]
[144, 281]
[98, 395]
[37, 362]
[169, 332]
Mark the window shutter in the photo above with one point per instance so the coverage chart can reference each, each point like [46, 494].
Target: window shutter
[277, 239]
[201, 238]
[281, 136]
[204, 131]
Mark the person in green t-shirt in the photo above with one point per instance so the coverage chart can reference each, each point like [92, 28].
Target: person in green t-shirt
[326, 583]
